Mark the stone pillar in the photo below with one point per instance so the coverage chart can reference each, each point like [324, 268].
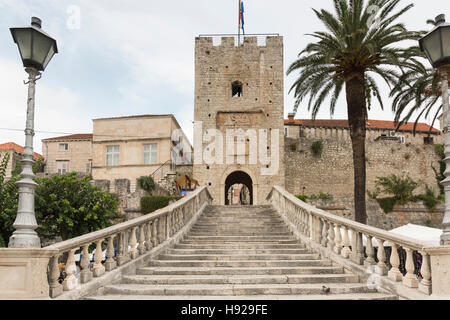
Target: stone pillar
[23, 273]
[440, 270]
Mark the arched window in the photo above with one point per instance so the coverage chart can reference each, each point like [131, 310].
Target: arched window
[236, 89]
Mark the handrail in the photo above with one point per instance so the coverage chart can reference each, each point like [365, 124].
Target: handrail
[339, 236]
[125, 241]
[375, 232]
[105, 233]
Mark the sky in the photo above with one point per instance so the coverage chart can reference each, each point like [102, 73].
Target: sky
[130, 57]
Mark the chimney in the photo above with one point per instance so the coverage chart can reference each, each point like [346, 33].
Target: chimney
[291, 117]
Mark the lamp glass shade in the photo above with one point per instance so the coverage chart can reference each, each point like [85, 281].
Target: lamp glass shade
[36, 47]
[432, 46]
[446, 41]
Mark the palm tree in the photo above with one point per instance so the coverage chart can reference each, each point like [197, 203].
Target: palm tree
[354, 49]
[418, 89]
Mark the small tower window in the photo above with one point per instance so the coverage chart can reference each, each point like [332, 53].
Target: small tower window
[236, 88]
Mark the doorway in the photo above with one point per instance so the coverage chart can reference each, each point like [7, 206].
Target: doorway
[238, 189]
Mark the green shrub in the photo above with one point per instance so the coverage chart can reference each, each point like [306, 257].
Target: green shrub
[429, 199]
[439, 150]
[302, 197]
[147, 183]
[400, 187]
[321, 195]
[153, 203]
[387, 204]
[317, 148]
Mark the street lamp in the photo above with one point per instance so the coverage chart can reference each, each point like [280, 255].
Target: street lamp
[436, 46]
[36, 50]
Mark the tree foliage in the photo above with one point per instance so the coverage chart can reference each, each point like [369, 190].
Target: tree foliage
[417, 90]
[8, 201]
[147, 183]
[65, 206]
[357, 46]
[70, 207]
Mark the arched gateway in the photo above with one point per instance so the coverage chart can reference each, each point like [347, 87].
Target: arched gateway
[239, 118]
[239, 178]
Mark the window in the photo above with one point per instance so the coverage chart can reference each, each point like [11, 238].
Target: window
[285, 131]
[428, 140]
[151, 153]
[236, 89]
[62, 166]
[63, 146]
[112, 156]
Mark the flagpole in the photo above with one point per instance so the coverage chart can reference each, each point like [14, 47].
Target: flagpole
[239, 23]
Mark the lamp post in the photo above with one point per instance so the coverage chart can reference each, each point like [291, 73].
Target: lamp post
[436, 46]
[36, 50]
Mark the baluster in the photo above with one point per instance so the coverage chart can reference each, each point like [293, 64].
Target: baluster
[148, 236]
[56, 288]
[324, 234]
[167, 225]
[86, 273]
[174, 222]
[331, 243]
[154, 233]
[317, 229]
[338, 243]
[141, 247]
[395, 273]
[370, 261]
[133, 242]
[122, 250]
[160, 230]
[99, 268]
[410, 279]
[425, 284]
[345, 253]
[70, 282]
[357, 248]
[380, 268]
[110, 263]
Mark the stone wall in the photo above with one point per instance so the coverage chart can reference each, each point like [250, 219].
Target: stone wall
[413, 212]
[129, 201]
[332, 171]
[259, 72]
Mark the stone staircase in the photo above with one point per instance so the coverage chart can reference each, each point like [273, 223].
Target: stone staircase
[240, 253]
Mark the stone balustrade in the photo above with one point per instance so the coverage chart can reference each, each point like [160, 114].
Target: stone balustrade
[344, 238]
[124, 242]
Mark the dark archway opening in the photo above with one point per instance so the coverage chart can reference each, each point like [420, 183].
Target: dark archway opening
[239, 186]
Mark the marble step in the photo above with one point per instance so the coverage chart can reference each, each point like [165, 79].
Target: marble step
[239, 279]
[236, 289]
[240, 263]
[343, 296]
[240, 270]
[235, 257]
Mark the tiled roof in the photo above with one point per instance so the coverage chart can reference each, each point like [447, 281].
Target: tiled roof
[371, 124]
[80, 136]
[14, 146]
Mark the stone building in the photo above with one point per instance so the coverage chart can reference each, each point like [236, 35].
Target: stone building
[239, 87]
[15, 151]
[331, 171]
[134, 146]
[376, 130]
[67, 154]
[121, 148]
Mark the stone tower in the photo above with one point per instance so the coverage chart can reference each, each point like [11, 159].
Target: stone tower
[238, 134]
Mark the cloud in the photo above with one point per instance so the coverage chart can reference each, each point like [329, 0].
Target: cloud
[57, 108]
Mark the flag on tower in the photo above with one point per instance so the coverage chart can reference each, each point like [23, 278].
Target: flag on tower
[241, 16]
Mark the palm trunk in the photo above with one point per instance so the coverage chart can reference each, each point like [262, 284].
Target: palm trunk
[357, 117]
